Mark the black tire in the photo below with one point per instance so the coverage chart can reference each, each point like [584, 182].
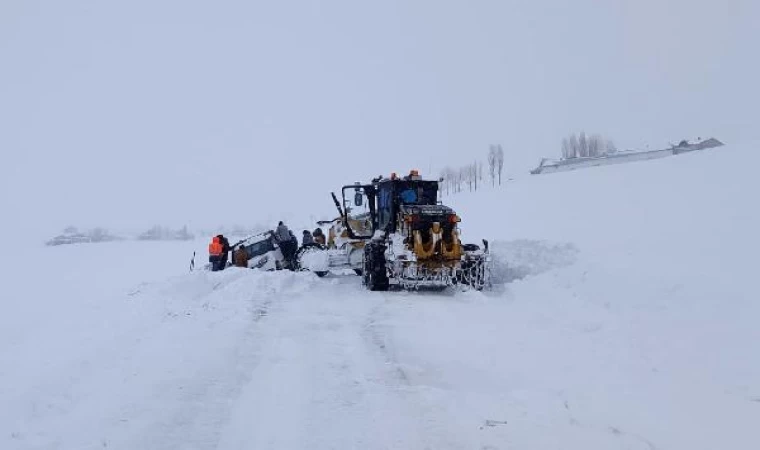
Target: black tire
[321, 273]
[375, 277]
[377, 282]
[358, 271]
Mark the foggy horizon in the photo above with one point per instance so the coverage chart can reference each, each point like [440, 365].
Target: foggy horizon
[135, 114]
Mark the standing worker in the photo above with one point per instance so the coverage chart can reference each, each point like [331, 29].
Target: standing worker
[282, 233]
[282, 236]
[307, 239]
[319, 236]
[241, 257]
[225, 252]
[215, 253]
[293, 249]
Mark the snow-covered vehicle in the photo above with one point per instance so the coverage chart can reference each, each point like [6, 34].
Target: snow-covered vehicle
[397, 233]
[263, 251]
[65, 239]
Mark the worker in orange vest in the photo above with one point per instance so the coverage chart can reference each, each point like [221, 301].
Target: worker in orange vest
[215, 250]
[225, 251]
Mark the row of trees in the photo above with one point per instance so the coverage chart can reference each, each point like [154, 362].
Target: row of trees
[471, 176]
[159, 233]
[72, 235]
[581, 146]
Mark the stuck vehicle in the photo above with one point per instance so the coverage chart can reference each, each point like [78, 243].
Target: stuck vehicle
[263, 251]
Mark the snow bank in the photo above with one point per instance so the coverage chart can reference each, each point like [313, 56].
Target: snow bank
[634, 320]
[624, 316]
[93, 357]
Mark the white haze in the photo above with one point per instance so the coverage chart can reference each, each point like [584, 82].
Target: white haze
[186, 112]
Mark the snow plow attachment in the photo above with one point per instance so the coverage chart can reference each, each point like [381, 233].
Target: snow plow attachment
[386, 267]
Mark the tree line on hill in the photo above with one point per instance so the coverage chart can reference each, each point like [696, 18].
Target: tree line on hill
[72, 235]
[582, 146]
[472, 176]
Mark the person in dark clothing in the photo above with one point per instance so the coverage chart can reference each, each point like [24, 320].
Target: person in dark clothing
[284, 238]
[282, 233]
[319, 236]
[307, 239]
[293, 244]
[225, 251]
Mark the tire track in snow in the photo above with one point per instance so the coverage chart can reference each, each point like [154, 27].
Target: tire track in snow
[635, 440]
[205, 405]
[377, 339]
[322, 383]
[433, 426]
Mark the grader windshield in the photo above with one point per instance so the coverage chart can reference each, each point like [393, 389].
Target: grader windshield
[359, 210]
[391, 194]
[415, 192]
[376, 206]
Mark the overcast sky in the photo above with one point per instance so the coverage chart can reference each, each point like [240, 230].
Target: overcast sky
[131, 113]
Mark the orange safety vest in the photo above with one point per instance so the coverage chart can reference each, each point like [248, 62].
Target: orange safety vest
[215, 247]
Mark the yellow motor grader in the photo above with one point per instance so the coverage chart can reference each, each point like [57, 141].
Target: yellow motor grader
[395, 233]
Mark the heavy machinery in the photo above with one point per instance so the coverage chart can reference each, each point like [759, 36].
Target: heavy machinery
[341, 251]
[406, 238]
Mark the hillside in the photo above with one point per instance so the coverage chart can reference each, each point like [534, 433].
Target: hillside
[624, 317]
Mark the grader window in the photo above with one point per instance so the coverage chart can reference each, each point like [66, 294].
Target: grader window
[359, 210]
[409, 196]
[418, 193]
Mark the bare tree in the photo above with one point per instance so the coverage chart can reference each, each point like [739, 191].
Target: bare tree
[583, 145]
[574, 146]
[445, 180]
[451, 180]
[500, 161]
[492, 164]
[595, 146]
[567, 150]
[609, 147]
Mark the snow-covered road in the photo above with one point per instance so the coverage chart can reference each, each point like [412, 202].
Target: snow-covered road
[324, 380]
[630, 325]
[244, 359]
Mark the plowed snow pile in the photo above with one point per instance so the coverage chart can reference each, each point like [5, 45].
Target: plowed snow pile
[624, 317]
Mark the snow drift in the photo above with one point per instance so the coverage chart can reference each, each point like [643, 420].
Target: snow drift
[624, 317]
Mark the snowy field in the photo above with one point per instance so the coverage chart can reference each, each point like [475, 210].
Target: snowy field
[625, 317]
